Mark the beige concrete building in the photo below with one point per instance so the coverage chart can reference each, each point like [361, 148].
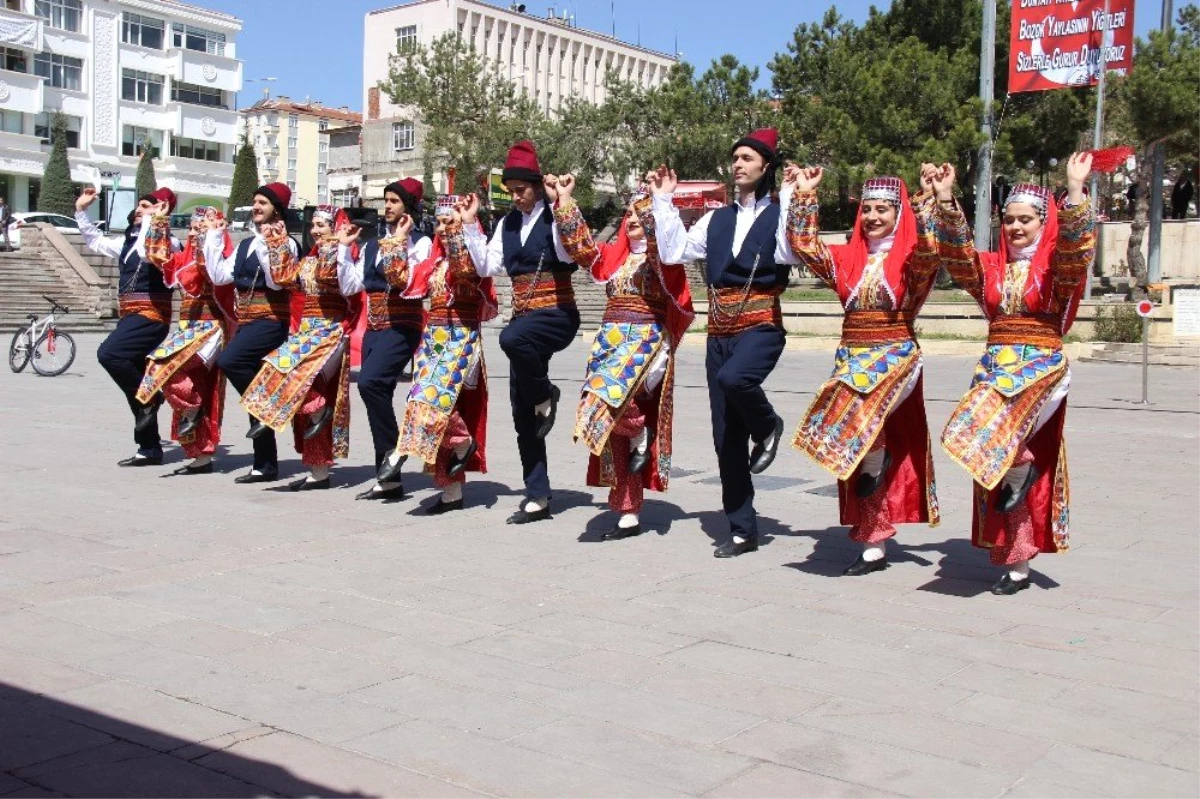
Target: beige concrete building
[548, 57]
[291, 140]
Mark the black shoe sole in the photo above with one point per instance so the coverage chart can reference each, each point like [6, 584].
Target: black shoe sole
[523, 517]
[456, 465]
[547, 423]
[138, 462]
[762, 462]
[732, 550]
[439, 507]
[867, 485]
[391, 493]
[862, 567]
[315, 429]
[266, 477]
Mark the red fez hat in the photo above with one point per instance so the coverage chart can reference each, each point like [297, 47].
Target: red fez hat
[764, 141]
[161, 195]
[278, 194]
[522, 163]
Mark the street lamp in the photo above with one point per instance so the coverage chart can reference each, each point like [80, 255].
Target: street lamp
[251, 80]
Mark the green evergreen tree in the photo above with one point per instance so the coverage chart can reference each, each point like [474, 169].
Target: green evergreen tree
[245, 176]
[57, 195]
[146, 182]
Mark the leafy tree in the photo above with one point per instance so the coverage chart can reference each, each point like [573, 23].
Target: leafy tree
[146, 182]
[245, 176]
[57, 195]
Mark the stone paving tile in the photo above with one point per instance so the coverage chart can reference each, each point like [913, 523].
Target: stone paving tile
[673, 765]
[612, 636]
[106, 613]
[615, 667]
[1103, 774]
[1010, 682]
[772, 781]
[40, 737]
[198, 637]
[332, 635]
[309, 667]
[535, 650]
[742, 694]
[26, 674]
[1029, 788]
[62, 641]
[1148, 710]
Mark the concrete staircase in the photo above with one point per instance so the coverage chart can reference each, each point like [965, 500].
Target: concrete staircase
[49, 264]
[1159, 355]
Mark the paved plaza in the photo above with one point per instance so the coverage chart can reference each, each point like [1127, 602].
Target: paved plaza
[184, 636]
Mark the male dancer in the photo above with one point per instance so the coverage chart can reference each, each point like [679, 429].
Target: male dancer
[747, 254]
[263, 309]
[394, 323]
[526, 247]
[144, 303]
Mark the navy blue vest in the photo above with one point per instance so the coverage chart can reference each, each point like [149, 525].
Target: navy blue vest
[246, 268]
[725, 270]
[136, 276]
[522, 259]
[373, 279]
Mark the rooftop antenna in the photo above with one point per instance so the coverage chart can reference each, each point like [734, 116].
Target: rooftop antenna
[612, 10]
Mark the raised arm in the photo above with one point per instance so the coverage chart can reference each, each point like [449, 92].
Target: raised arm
[488, 256]
[955, 246]
[284, 265]
[1075, 249]
[217, 261]
[802, 227]
[572, 229]
[158, 243]
[95, 240]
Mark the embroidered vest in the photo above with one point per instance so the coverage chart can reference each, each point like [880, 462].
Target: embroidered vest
[523, 259]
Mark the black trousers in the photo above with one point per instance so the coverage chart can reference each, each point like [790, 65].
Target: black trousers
[385, 353]
[529, 341]
[240, 360]
[123, 356]
[741, 413]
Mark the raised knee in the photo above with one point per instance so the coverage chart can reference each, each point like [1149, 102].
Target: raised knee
[729, 381]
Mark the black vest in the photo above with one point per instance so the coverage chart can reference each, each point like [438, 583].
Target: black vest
[523, 259]
[137, 276]
[373, 279]
[725, 269]
[247, 275]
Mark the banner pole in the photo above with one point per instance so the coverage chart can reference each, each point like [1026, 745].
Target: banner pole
[1098, 138]
[987, 80]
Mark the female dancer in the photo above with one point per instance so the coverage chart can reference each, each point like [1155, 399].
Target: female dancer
[306, 381]
[445, 418]
[183, 367]
[626, 405]
[1008, 429]
[867, 424]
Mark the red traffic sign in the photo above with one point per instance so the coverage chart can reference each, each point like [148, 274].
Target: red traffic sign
[1145, 308]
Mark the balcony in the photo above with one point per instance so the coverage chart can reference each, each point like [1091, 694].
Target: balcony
[205, 69]
[21, 30]
[21, 91]
[23, 149]
[204, 122]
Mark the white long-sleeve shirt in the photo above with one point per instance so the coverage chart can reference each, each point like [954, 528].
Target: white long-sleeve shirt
[489, 255]
[418, 251]
[112, 246]
[679, 245]
[220, 268]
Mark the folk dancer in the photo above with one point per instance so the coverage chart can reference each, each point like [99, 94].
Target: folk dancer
[144, 303]
[306, 380]
[748, 262]
[183, 366]
[626, 406]
[867, 424]
[445, 417]
[263, 311]
[1008, 429]
[526, 247]
[394, 323]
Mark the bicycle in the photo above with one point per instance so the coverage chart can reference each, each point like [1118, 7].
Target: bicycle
[51, 350]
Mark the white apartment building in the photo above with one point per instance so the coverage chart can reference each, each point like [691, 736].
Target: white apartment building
[126, 73]
[548, 57]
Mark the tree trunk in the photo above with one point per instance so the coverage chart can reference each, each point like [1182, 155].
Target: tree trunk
[1141, 216]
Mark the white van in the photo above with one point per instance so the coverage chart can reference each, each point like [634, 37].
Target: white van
[241, 218]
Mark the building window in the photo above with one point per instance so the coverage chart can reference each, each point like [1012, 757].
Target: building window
[197, 39]
[273, 120]
[143, 31]
[12, 121]
[406, 39]
[323, 124]
[13, 60]
[404, 136]
[135, 139]
[293, 121]
[323, 148]
[60, 71]
[291, 184]
[61, 14]
[195, 148]
[293, 142]
[197, 95]
[291, 164]
[43, 126]
[142, 87]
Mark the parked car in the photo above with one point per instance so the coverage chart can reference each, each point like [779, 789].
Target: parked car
[29, 217]
[181, 220]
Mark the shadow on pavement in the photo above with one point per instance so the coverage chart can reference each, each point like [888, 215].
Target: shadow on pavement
[51, 748]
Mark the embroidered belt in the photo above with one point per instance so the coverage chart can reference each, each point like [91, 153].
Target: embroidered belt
[325, 305]
[1037, 331]
[633, 309]
[199, 309]
[733, 310]
[866, 328]
[463, 313]
[155, 307]
[539, 291]
[268, 304]
[386, 309]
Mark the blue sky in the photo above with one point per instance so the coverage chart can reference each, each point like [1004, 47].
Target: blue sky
[314, 48]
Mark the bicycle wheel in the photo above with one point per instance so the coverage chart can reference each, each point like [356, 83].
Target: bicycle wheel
[18, 351]
[53, 354]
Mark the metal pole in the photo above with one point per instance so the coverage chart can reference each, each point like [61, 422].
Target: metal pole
[1097, 143]
[1154, 261]
[987, 80]
[1145, 360]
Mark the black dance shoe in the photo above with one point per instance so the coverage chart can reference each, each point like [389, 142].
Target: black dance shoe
[1007, 586]
[440, 507]
[618, 532]
[638, 460]
[304, 484]
[547, 423]
[141, 460]
[457, 464]
[868, 484]
[264, 476]
[731, 548]
[257, 429]
[146, 414]
[764, 451]
[860, 567]
[1008, 500]
[523, 516]
[389, 471]
[188, 426]
[318, 424]
[187, 470]
[375, 492]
